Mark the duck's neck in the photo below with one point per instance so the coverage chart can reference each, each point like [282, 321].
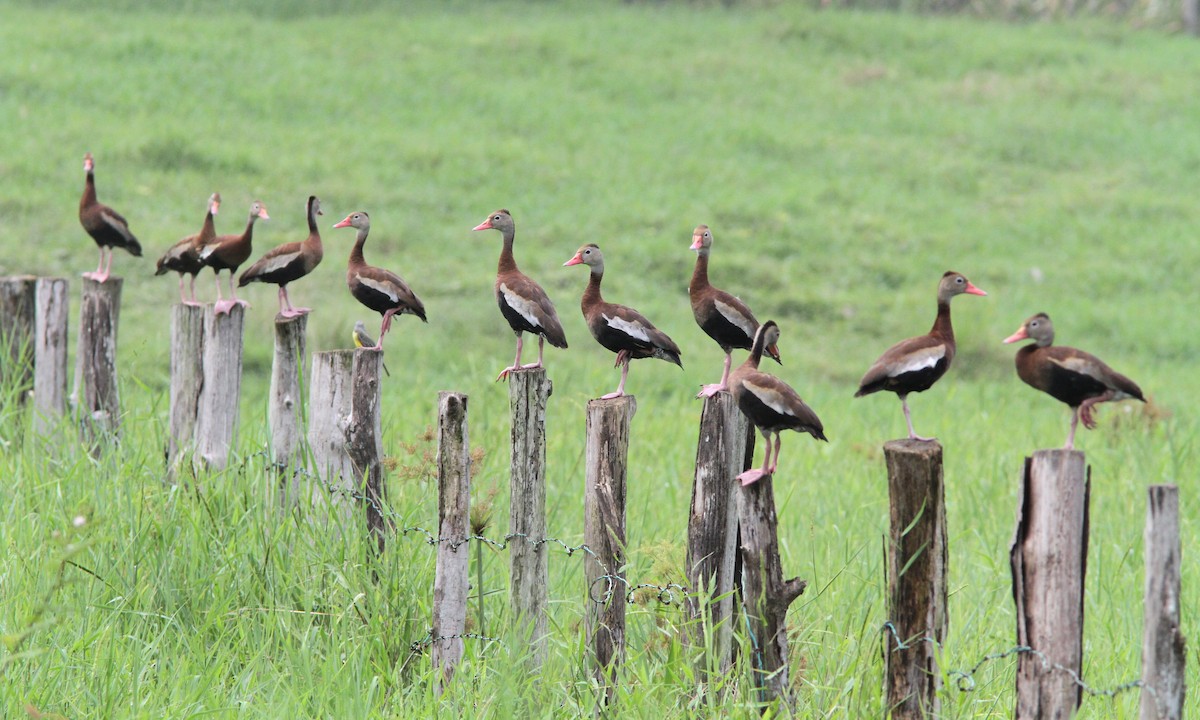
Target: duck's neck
[249, 234]
[356, 253]
[941, 325]
[314, 235]
[591, 295]
[700, 273]
[507, 263]
[208, 230]
[89, 191]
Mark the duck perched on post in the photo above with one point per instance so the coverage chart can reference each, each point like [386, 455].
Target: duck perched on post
[184, 256]
[621, 329]
[289, 262]
[228, 252]
[105, 225]
[523, 303]
[771, 405]
[725, 318]
[915, 364]
[381, 290]
[1077, 378]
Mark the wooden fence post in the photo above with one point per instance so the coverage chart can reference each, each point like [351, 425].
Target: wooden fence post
[187, 377]
[1191, 16]
[18, 303]
[1162, 640]
[450, 584]
[917, 600]
[284, 410]
[50, 352]
[95, 395]
[1049, 563]
[766, 596]
[364, 439]
[528, 394]
[607, 458]
[217, 407]
[713, 525]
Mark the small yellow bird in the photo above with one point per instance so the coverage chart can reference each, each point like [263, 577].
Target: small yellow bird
[363, 340]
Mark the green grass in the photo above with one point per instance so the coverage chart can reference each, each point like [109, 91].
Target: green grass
[844, 161]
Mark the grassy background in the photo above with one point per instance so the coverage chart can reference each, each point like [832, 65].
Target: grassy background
[844, 161]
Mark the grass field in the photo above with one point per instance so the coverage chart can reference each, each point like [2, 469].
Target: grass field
[843, 161]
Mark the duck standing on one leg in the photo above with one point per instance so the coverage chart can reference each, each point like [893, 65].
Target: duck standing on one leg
[1079, 379]
[381, 290]
[771, 404]
[228, 252]
[289, 262]
[105, 225]
[915, 364]
[184, 256]
[523, 302]
[617, 327]
[724, 317]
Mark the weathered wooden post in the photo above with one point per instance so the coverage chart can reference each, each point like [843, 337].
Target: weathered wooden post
[607, 458]
[50, 352]
[1191, 17]
[284, 410]
[187, 377]
[95, 396]
[217, 407]
[1162, 640]
[766, 596]
[364, 439]
[450, 584]
[712, 525]
[1049, 562]
[528, 393]
[917, 599]
[329, 410]
[18, 303]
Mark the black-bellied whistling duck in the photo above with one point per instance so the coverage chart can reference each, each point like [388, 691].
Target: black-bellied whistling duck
[724, 317]
[184, 256]
[105, 225]
[617, 327]
[381, 290]
[1079, 379]
[228, 252]
[523, 303]
[915, 364]
[289, 262]
[770, 403]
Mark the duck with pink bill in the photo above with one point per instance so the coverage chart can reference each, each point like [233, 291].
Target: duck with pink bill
[380, 290]
[228, 252]
[289, 262]
[105, 225]
[184, 256]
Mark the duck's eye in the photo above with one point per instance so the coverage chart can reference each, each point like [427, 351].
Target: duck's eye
[495, 217]
[958, 280]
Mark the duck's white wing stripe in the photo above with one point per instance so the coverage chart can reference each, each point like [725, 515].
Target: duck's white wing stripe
[524, 307]
[116, 224]
[632, 329]
[279, 261]
[920, 360]
[769, 397]
[379, 287]
[731, 314]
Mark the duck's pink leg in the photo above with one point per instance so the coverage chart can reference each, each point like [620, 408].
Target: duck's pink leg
[621, 387]
[752, 476]
[516, 363]
[288, 311]
[723, 386]
[912, 434]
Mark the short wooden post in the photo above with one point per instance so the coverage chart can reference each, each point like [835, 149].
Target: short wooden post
[217, 408]
[917, 600]
[607, 459]
[1163, 643]
[50, 352]
[450, 584]
[285, 408]
[766, 596]
[1049, 563]
[329, 409]
[18, 303]
[528, 393]
[1191, 16]
[95, 396]
[712, 526]
[187, 377]
[364, 440]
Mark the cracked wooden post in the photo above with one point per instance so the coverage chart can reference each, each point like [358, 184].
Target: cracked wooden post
[95, 395]
[450, 584]
[285, 409]
[1049, 563]
[220, 391]
[528, 394]
[1163, 644]
[187, 377]
[713, 528]
[329, 407]
[766, 596]
[18, 311]
[50, 353]
[607, 462]
[364, 440]
[916, 563]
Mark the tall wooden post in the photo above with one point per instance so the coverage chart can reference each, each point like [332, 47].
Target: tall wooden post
[95, 395]
[284, 410]
[712, 525]
[18, 303]
[917, 598]
[607, 460]
[187, 377]
[450, 584]
[364, 439]
[1049, 562]
[528, 393]
[50, 352]
[217, 407]
[766, 596]
[1163, 643]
